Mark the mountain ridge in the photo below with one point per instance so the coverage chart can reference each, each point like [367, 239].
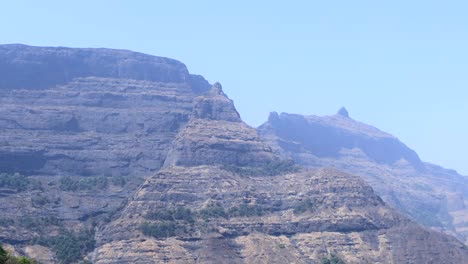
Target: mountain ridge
[126, 169]
[418, 188]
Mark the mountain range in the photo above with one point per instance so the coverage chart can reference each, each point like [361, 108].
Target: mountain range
[113, 156]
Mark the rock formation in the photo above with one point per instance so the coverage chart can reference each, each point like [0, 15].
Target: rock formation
[195, 210]
[90, 112]
[429, 194]
[130, 159]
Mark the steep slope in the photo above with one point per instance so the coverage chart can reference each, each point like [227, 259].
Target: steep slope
[86, 126]
[217, 200]
[90, 111]
[429, 194]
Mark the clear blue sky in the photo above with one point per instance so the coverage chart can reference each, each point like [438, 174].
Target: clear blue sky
[399, 65]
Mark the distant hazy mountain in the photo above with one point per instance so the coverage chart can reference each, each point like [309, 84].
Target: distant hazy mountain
[130, 159]
[430, 194]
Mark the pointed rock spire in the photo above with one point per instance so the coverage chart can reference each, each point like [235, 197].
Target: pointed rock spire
[217, 89]
[273, 117]
[343, 112]
[215, 105]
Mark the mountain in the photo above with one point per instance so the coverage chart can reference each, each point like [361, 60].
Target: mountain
[220, 199]
[428, 193]
[128, 158]
[90, 111]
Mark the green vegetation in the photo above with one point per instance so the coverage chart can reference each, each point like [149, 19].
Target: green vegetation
[18, 182]
[6, 258]
[70, 247]
[83, 184]
[246, 210]
[178, 220]
[39, 200]
[272, 168]
[39, 223]
[332, 259]
[160, 230]
[179, 213]
[3, 255]
[280, 167]
[306, 205]
[171, 221]
[6, 222]
[213, 211]
[90, 183]
[119, 181]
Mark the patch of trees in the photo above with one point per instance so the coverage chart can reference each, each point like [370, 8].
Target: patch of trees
[173, 214]
[159, 230]
[174, 221]
[303, 206]
[69, 247]
[332, 259]
[272, 168]
[90, 183]
[18, 182]
[6, 258]
[38, 223]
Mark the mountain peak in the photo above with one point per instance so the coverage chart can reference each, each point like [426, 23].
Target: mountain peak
[217, 89]
[343, 112]
[215, 105]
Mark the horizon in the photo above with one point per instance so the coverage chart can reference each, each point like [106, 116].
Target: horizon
[399, 70]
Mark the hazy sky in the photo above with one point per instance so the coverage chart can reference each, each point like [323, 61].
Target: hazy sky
[401, 66]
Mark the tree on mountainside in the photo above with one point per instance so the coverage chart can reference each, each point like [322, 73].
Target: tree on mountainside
[6, 258]
[3, 255]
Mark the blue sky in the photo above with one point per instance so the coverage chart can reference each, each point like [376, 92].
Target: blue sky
[398, 65]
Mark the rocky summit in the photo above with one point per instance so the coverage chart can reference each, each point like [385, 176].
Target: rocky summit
[111, 156]
[428, 193]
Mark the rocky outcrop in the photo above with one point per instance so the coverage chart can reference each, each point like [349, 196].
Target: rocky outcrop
[130, 159]
[327, 136]
[431, 195]
[90, 111]
[96, 115]
[216, 135]
[344, 217]
[198, 210]
[27, 67]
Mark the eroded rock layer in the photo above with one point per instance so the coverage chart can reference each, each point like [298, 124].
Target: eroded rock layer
[195, 210]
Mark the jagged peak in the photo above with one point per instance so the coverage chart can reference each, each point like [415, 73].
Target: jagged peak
[273, 117]
[343, 112]
[215, 105]
[217, 89]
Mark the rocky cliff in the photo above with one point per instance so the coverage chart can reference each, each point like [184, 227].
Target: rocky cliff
[211, 204]
[86, 126]
[431, 195]
[90, 111]
[128, 158]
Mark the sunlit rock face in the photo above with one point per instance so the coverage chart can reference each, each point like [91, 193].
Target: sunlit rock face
[205, 207]
[155, 165]
[215, 135]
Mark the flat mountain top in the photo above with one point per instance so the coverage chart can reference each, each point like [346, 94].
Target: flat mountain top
[128, 158]
[29, 67]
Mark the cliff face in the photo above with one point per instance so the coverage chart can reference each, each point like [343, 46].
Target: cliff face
[86, 126]
[130, 159]
[209, 210]
[33, 68]
[90, 111]
[429, 194]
